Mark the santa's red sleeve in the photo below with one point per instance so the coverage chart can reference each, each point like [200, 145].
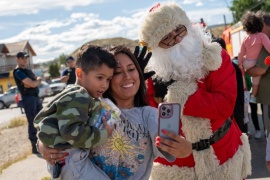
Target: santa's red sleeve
[216, 94]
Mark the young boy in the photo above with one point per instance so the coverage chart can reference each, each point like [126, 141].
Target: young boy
[67, 121]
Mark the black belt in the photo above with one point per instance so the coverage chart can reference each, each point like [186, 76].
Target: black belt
[215, 137]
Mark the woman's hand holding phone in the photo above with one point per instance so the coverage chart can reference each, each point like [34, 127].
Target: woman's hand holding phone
[177, 145]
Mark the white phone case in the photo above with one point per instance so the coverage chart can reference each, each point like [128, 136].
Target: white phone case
[169, 118]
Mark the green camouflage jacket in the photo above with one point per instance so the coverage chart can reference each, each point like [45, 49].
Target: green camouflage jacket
[68, 120]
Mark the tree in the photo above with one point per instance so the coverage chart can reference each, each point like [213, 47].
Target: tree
[54, 70]
[239, 7]
[62, 58]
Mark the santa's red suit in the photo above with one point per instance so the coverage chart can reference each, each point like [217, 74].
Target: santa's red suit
[204, 112]
[151, 93]
[207, 101]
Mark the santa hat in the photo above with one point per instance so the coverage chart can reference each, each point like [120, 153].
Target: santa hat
[161, 20]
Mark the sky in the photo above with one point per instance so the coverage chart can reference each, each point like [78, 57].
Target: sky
[55, 27]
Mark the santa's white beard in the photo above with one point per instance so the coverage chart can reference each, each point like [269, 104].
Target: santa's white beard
[181, 62]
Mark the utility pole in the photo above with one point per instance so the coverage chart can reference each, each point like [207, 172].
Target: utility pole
[225, 23]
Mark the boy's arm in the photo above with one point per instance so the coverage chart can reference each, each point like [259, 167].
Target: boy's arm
[73, 121]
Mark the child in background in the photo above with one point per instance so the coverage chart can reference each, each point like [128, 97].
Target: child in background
[251, 47]
[68, 121]
[18, 100]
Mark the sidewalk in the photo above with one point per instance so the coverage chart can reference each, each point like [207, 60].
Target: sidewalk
[31, 168]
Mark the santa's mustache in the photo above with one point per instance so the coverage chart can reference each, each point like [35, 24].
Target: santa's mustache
[181, 62]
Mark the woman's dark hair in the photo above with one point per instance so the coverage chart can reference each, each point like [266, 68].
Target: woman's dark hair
[140, 98]
[90, 57]
[252, 23]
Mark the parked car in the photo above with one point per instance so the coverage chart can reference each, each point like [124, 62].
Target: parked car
[57, 86]
[44, 90]
[8, 97]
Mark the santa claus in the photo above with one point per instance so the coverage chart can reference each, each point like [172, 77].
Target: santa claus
[204, 83]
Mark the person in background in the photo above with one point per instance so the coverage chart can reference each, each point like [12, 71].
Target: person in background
[202, 22]
[251, 47]
[204, 83]
[27, 83]
[253, 110]
[264, 87]
[68, 75]
[18, 100]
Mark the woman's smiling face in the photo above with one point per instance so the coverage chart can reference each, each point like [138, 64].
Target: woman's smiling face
[125, 82]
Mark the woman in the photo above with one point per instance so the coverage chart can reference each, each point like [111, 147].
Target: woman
[130, 152]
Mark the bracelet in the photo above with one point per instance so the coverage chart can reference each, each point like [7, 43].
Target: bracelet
[37, 147]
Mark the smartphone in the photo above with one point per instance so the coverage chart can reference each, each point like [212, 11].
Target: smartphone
[169, 118]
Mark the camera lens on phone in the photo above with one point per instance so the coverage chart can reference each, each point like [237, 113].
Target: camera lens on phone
[163, 113]
[163, 108]
[168, 110]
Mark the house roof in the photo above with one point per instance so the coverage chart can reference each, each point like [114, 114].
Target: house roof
[16, 47]
[3, 49]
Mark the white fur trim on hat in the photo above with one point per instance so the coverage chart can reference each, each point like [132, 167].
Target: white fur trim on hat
[160, 22]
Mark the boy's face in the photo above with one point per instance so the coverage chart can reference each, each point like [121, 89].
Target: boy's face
[96, 82]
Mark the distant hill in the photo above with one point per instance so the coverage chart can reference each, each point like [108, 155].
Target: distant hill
[112, 41]
[216, 30]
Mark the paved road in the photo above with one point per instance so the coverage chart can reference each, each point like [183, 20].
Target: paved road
[10, 113]
[258, 146]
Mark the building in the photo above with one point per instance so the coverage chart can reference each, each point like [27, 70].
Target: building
[8, 52]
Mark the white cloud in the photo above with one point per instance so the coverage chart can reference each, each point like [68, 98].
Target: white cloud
[210, 15]
[59, 35]
[199, 4]
[17, 7]
[76, 30]
[191, 1]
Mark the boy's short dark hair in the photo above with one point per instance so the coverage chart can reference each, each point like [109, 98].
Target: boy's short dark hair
[90, 57]
[252, 23]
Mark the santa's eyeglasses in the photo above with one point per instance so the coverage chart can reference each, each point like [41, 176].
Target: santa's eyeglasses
[169, 39]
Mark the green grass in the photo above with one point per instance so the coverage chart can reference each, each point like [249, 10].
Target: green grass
[15, 122]
[46, 178]
[18, 121]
